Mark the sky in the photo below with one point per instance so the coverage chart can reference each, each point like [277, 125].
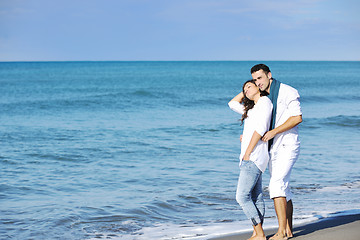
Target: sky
[179, 30]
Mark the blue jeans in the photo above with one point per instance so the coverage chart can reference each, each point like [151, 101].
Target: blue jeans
[249, 192]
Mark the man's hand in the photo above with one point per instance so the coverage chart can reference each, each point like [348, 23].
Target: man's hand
[289, 124]
[268, 135]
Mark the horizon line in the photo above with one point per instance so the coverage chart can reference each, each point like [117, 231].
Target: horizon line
[29, 61]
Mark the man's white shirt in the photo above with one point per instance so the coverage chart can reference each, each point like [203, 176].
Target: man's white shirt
[288, 105]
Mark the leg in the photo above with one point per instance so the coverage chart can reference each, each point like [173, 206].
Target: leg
[280, 209]
[280, 166]
[289, 215]
[248, 179]
[258, 199]
[259, 233]
[284, 218]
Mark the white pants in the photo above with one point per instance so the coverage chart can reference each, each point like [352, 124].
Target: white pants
[281, 162]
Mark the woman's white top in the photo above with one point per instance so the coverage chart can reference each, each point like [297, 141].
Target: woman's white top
[258, 120]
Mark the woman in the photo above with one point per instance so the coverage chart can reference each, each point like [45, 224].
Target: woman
[256, 114]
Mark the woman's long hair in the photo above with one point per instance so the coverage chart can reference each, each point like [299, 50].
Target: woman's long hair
[248, 104]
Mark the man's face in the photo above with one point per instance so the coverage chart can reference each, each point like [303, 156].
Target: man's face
[262, 80]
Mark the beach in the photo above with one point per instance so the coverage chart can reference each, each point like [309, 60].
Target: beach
[150, 150]
[334, 228]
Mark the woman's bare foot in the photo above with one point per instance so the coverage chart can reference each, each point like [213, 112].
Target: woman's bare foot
[278, 236]
[257, 238]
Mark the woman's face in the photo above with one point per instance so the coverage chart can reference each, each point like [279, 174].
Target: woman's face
[250, 90]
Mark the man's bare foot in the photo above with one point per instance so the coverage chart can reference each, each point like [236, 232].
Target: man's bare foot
[289, 233]
[278, 236]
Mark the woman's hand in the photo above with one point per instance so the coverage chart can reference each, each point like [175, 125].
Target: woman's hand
[246, 157]
[238, 97]
[241, 137]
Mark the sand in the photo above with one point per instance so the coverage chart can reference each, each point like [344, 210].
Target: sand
[335, 228]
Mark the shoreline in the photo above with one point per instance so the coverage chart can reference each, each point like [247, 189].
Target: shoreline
[330, 228]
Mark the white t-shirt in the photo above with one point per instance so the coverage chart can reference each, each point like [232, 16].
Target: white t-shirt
[258, 120]
[288, 105]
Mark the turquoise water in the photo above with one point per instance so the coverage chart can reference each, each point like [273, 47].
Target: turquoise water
[149, 150]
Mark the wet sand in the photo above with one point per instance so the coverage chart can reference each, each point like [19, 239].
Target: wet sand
[334, 228]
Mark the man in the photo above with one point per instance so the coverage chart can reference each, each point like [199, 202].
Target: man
[283, 143]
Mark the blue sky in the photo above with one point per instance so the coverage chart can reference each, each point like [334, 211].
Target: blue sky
[75, 30]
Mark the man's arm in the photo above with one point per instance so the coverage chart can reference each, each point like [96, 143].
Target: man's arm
[289, 124]
[254, 140]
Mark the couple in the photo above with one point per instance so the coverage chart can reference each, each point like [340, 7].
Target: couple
[270, 112]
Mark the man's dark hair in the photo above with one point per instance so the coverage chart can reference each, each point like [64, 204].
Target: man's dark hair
[260, 66]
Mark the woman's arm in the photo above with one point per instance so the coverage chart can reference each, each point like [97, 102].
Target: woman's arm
[238, 97]
[254, 140]
[262, 123]
[235, 105]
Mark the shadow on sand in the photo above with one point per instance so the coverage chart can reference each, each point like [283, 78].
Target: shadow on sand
[325, 224]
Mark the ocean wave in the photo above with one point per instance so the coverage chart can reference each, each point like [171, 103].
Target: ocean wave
[210, 230]
[327, 98]
[119, 101]
[318, 99]
[334, 121]
[303, 189]
[14, 191]
[57, 105]
[341, 188]
[61, 157]
[143, 93]
[343, 121]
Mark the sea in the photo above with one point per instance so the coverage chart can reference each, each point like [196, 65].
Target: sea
[149, 150]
